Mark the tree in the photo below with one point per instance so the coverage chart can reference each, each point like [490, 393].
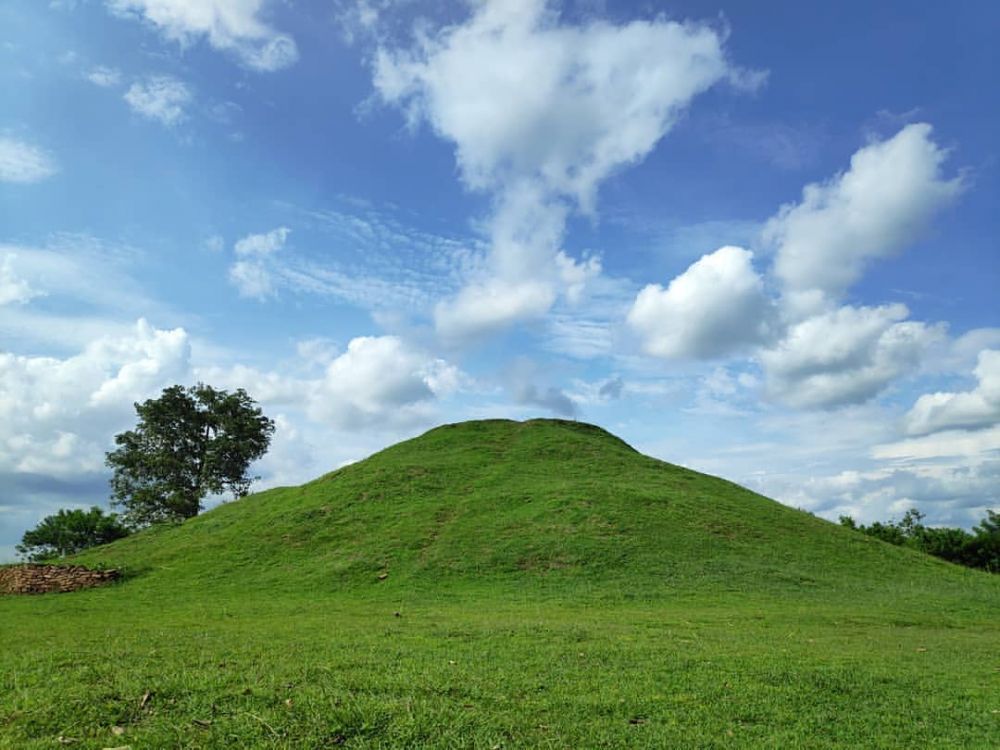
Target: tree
[189, 442]
[980, 549]
[70, 531]
[985, 547]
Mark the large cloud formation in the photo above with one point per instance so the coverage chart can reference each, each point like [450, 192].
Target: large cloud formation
[541, 112]
[57, 415]
[814, 351]
[845, 356]
[884, 200]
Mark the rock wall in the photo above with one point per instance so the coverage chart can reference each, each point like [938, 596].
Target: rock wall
[43, 579]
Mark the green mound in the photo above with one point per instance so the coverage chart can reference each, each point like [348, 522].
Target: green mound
[497, 502]
[507, 585]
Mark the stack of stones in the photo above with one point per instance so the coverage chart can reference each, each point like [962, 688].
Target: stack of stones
[43, 579]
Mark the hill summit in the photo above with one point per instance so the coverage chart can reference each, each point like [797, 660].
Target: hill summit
[496, 502]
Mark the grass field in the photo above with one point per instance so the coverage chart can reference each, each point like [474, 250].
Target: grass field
[507, 585]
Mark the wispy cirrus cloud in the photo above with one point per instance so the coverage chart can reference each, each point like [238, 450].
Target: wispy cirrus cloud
[104, 76]
[23, 162]
[160, 97]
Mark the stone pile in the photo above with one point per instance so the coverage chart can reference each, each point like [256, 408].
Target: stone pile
[43, 579]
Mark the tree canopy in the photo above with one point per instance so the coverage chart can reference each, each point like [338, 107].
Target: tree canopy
[189, 442]
[980, 549]
[70, 531]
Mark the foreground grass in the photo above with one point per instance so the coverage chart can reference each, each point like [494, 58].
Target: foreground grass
[483, 669]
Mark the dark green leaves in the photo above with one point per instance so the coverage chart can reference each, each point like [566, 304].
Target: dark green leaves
[190, 442]
[70, 531]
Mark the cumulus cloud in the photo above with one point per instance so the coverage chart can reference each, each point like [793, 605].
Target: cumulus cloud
[522, 96]
[162, 98]
[883, 201]
[845, 356]
[540, 113]
[232, 26]
[716, 307]
[23, 162]
[252, 273]
[973, 409]
[57, 416]
[380, 381]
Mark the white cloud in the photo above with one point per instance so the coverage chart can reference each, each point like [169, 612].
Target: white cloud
[845, 356]
[232, 26]
[380, 381]
[715, 308]
[884, 200]
[252, 279]
[262, 244]
[946, 444]
[24, 163]
[579, 337]
[540, 113]
[104, 77]
[270, 387]
[57, 416]
[491, 306]
[977, 408]
[952, 494]
[254, 274]
[162, 98]
[522, 96]
[79, 270]
[13, 289]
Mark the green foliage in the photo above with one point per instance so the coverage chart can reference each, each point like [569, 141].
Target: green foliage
[554, 589]
[980, 549]
[68, 532]
[189, 442]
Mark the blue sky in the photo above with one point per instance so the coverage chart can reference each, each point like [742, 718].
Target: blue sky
[754, 239]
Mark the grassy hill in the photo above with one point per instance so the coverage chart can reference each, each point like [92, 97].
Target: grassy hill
[498, 502]
[502, 584]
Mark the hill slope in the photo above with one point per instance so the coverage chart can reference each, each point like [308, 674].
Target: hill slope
[495, 501]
